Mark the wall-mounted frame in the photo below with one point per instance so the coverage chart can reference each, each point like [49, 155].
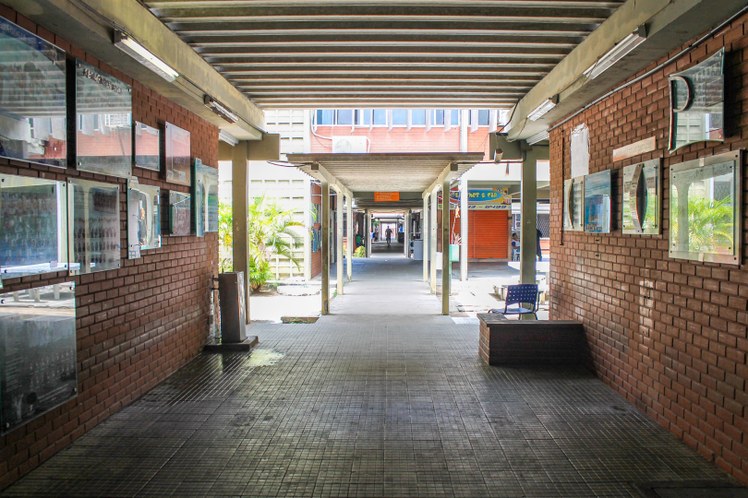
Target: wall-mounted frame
[93, 211]
[103, 107]
[697, 98]
[179, 213]
[33, 102]
[143, 218]
[37, 352]
[147, 147]
[177, 155]
[205, 198]
[574, 204]
[33, 226]
[642, 198]
[598, 204]
[705, 209]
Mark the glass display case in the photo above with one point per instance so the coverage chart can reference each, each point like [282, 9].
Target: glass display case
[143, 218]
[33, 226]
[177, 155]
[103, 106]
[93, 210]
[179, 213]
[705, 219]
[642, 198]
[147, 147]
[597, 202]
[37, 352]
[33, 102]
[205, 198]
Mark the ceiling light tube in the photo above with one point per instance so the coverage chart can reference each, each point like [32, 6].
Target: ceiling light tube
[219, 109]
[543, 108]
[618, 52]
[228, 138]
[141, 54]
[538, 137]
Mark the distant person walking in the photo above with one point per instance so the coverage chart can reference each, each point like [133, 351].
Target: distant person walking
[388, 235]
[538, 249]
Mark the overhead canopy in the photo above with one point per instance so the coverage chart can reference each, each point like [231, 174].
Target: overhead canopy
[410, 174]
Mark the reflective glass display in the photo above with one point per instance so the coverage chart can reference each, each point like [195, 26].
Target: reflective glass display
[33, 226]
[147, 146]
[177, 154]
[93, 209]
[205, 198]
[573, 204]
[641, 198]
[597, 202]
[103, 106]
[179, 213]
[143, 218]
[33, 122]
[37, 352]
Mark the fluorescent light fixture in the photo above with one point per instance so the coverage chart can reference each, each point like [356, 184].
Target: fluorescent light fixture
[219, 109]
[227, 137]
[538, 137]
[141, 54]
[543, 108]
[615, 54]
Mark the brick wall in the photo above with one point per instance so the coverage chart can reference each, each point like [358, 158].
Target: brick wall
[668, 334]
[135, 325]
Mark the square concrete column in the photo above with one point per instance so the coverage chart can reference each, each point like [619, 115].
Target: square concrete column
[528, 239]
[425, 236]
[406, 235]
[432, 243]
[350, 236]
[239, 195]
[339, 241]
[325, 247]
[464, 194]
[367, 237]
[446, 263]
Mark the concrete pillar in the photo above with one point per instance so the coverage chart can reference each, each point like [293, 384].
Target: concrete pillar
[308, 232]
[406, 234]
[339, 242]
[367, 236]
[463, 229]
[432, 243]
[351, 238]
[529, 188]
[239, 194]
[325, 247]
[425, 236]
[446, 263]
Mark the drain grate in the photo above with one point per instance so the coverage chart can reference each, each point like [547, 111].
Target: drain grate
[693, 489]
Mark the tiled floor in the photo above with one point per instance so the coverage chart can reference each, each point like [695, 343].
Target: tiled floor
[382, 398]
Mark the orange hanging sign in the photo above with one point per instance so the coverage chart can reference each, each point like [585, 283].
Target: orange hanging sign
[386, 196]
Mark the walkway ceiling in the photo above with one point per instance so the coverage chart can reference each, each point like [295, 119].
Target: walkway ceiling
[409, 174]
[415, 53]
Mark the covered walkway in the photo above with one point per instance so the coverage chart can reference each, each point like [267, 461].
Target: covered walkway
[383, 397]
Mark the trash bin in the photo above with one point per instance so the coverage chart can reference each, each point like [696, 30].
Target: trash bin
[418, 250]
[233, 312]
[454, 252]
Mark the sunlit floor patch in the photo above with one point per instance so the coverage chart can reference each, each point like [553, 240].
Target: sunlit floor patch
[264, 358]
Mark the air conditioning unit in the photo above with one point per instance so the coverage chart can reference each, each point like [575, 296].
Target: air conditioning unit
[349, 145]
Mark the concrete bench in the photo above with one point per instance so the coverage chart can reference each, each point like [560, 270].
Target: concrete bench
[531, 342]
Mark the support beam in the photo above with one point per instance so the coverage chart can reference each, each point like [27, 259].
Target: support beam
[239, 194]
[351, 237]
[339, 241]
[432, 243]
[425, 236]
[446, 263]
[528, 238]
[325, 246]
[464, 193]
[367, 236]
[406, 235]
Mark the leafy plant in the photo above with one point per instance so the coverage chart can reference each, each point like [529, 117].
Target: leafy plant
[225, 238]
[360, 252]
[710, 224]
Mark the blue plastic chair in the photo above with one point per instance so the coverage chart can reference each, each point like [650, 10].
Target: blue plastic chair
[521, 299]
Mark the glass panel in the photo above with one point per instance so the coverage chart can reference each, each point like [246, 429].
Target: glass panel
[325, 116]
[697, 103]
[573, 204]
[33, 226]
[143, 218]
[484, 117]
[705, 209]
[177, 155]
[93, 210]
[641, 198]
[33, 123]
[147, 144]
[37, 352]
[438, 116]
[597, 202]
[103, 107]
[380, 117]
[179, 213]
[205, 200]
[365, 117]
[454, 117]
[418, 117]
[399, 117]
[345, 117]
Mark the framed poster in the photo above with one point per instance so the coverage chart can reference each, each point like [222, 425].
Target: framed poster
[33, 102]
[598, 202]
[574, 204]
[37, 352]
[179, 213]
[103, 107]
[705, 209]
[147, 147]
[642, 198]
[93, 211]
[697, 103]
[177, 155]
[143, 218]
[205, 198]
[33, 226]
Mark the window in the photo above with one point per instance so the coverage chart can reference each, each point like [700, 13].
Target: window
[418, 117]
[438, 119]
[399, 117]
[325, 116]
[380, 117]
[484, 117]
